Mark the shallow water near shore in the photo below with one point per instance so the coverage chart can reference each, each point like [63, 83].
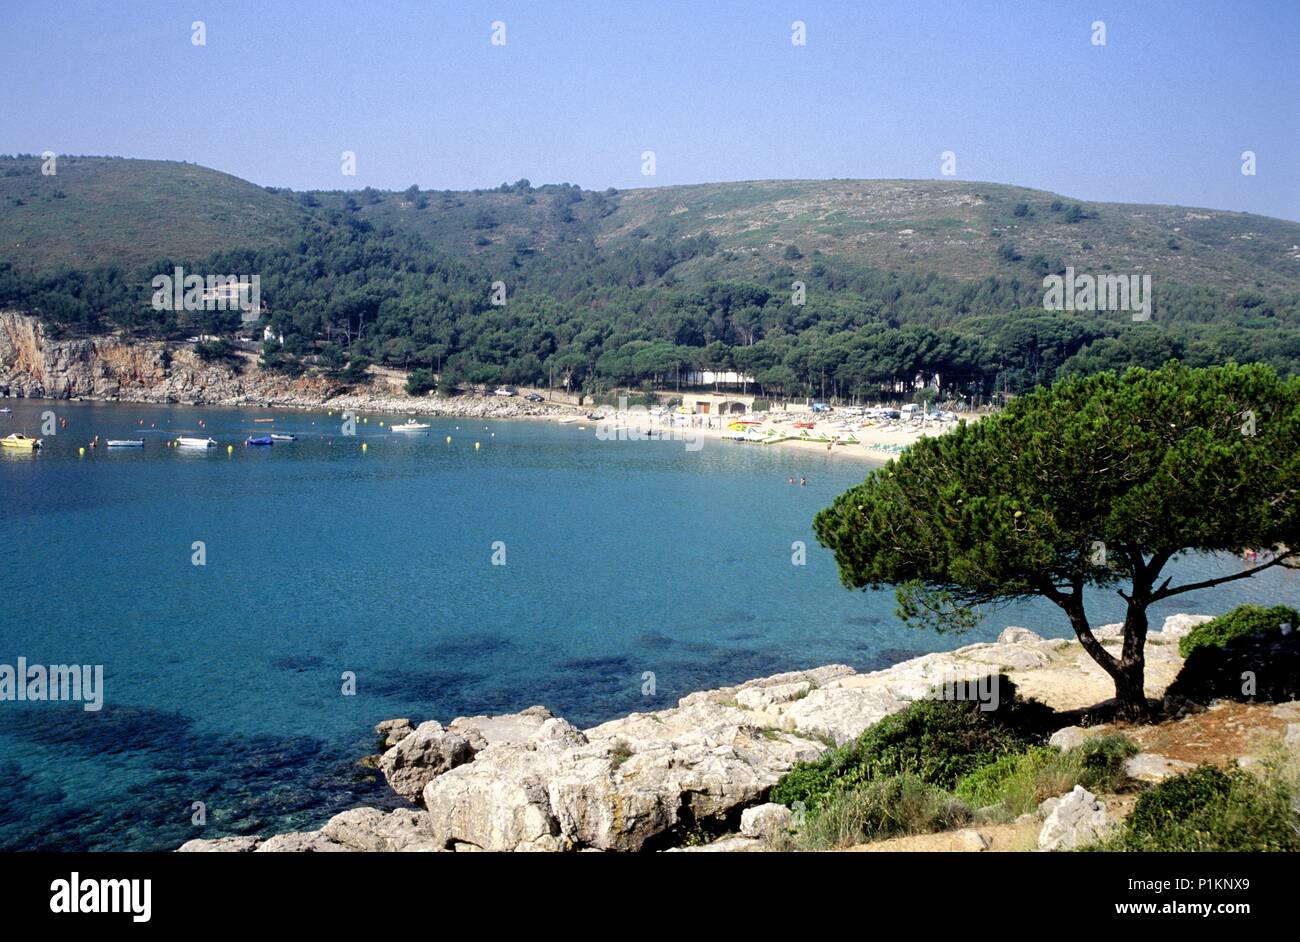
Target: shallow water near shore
[223, 681]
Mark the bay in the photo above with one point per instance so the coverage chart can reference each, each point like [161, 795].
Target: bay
[224, 681]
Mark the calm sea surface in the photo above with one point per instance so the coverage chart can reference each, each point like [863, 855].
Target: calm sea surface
[223, 681]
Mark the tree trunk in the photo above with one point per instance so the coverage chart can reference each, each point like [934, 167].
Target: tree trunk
[1129, 671]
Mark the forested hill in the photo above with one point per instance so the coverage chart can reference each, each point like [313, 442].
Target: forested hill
[627, 287]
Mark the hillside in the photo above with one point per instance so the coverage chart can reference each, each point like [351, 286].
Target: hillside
[102, 211]
[131, 212]
[908, 283]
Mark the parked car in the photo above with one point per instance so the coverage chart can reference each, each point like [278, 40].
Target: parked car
[506, 391]
[821, 407]
[533, 397]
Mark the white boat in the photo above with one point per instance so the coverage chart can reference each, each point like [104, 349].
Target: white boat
[184, 442]
[410, 425]
[6, 410]
[283, 437]
[125, 443]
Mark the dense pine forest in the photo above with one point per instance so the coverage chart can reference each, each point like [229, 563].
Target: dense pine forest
[861, 287]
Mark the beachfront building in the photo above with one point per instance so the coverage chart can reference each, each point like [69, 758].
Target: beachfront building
[717, 403]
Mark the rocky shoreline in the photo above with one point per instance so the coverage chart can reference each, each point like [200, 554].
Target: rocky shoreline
[110, 369]
[692, 777]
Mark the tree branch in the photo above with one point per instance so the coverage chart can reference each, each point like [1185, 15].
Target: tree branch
[1165, 592]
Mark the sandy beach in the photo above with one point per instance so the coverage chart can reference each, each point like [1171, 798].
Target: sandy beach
[841, 432]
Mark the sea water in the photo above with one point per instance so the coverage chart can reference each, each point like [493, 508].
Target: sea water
[340, 586]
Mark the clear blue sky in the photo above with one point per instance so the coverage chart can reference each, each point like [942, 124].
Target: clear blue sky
[1160, 114]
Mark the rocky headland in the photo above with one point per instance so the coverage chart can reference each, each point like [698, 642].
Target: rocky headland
[111, 368]
[697, 776]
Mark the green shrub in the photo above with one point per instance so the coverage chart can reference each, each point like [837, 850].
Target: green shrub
[420, 382]
[761, 405]
[885, 807]
[1019, 783]
[212, 351]
[1209, 809]
[939, 741]
[1244, 621]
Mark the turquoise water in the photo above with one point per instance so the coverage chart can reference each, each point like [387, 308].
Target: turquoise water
[223, 681]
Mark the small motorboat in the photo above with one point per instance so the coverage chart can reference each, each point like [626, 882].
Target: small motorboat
[260, 442]
[410, 425]
[283, 437]
[184, 442]
[125, 443]
[6, 411]
[264, 420]
[19, 440]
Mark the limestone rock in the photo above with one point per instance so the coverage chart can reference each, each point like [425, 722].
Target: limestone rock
[973, 840]
[300, 842]
[1015, 635]
[840, 714]
[1077, 819]
[1008, 657]
[391, 732]
[1068, 737]
[482, 731]
[1287, 711]
[760, 699]
[368, 829]
[1153, 768]
[221, 844]
[1176, 626]
[1292, 737]
[727, 845]
[422, 755]
[765, 821]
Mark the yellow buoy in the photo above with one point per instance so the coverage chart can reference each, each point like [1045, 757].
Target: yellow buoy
[363, 446]
[381, 423]
[366, 420]
[230, 449]
[82, 451]
[448, 439]
[476, 446]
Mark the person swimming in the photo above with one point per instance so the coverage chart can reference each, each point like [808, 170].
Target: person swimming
[803, 482]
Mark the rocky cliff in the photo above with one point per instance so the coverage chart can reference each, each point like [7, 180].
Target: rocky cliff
[35, 366]
[32, 365]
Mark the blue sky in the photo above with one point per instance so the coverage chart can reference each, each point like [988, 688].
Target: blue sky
[1160, 114]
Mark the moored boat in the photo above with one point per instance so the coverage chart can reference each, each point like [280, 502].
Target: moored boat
[125, 443]
[410, 425]
[260, 442]
[283, 437]
[184, 442]
[19, 440]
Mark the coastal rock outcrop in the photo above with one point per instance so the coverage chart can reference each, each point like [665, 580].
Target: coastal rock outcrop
[35, 365]
[430, 749]
[531, 781]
